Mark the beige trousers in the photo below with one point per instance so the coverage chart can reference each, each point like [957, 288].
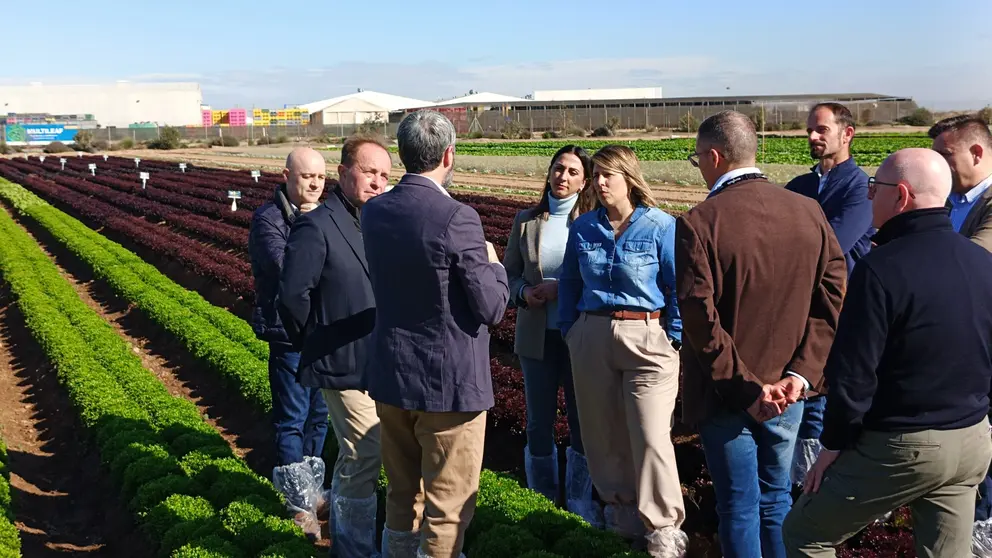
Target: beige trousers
[355, 423]
[935, 472]
[626, 376]
[433, 462]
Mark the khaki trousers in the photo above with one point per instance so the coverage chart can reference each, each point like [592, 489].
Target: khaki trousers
[935, 472]
[626, 376]
[355, 423]
[433, 462]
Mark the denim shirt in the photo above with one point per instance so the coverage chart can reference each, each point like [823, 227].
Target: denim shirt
[633, 272]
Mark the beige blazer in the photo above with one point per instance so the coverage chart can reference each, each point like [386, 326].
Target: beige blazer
[978, 224]
[522, 263]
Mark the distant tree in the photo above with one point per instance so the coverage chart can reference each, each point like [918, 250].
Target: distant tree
[169, 138]
[919, 117]
[83, 141]
[986, 114]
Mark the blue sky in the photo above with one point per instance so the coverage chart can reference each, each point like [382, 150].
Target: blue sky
[273, 53]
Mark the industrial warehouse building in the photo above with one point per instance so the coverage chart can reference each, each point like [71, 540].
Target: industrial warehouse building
[119, 104]
[588, 109]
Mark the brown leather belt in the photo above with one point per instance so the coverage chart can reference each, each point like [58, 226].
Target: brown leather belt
[628, 314]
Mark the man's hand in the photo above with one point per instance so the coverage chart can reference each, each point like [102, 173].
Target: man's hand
[816, 473]
[492, 252]
[770, 404]
[789, 388]
[533, 297]
[547, 290]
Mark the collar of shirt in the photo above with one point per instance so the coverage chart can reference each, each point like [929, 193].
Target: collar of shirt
[439, 187]
[823, 177]
[971, 195]
[732, 175]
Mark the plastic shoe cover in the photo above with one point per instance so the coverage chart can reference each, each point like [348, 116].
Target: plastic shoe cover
[981, 540]
[624, 520]
[319, 470]
[578, 489]
[400, 544]
[667, 542]
[295, 482]
[542, 473]
[807, 450]
[353, 526]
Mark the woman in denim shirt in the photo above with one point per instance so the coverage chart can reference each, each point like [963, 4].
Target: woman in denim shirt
[618, 311]
[532, 260]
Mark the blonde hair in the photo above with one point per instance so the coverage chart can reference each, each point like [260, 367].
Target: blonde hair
[620, 159]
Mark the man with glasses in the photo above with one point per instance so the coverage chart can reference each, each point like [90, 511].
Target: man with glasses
[840, 187]
[760, 278]
[908, 376]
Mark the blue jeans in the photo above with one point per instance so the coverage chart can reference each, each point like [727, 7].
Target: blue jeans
[812, 424]
[541, 381]
[299, 413]
[749, 463]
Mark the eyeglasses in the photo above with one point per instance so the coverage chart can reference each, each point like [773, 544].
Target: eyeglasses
[873, 187]
[693, 159]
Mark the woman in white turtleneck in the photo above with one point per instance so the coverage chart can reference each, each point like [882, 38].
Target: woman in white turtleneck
[533, 260]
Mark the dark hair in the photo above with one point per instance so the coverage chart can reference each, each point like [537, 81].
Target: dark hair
[583, 204]
[841, 113]
[732, 134]
[976, 128]
[355, 141]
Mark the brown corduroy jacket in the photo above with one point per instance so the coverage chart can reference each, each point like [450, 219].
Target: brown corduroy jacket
[761, 278]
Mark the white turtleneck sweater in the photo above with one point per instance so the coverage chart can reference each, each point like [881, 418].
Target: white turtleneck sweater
[554, 235]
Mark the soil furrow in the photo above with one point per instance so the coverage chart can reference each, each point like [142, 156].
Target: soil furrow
[64, 502]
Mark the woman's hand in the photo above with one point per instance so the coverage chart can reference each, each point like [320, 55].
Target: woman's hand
[548, 290]
[533, 297]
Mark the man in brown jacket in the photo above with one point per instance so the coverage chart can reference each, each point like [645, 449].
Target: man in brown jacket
[760, 279]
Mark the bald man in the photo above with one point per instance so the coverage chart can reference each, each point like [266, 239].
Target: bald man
[909, 376]
[299, 413]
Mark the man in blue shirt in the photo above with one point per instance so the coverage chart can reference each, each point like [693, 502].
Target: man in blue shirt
[966, 144]
[841, 189]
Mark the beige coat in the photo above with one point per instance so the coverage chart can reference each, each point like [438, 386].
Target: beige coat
[978, 224]
[522, 263]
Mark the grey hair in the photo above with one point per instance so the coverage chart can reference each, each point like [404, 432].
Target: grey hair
[423, 136]
[732, 134]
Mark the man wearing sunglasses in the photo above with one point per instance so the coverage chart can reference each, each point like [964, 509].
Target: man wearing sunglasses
[908, 375]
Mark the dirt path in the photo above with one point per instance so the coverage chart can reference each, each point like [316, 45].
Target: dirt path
[247, 431]
[63, 501]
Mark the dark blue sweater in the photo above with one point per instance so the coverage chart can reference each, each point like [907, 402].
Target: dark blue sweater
[913, 349]
[845, 202]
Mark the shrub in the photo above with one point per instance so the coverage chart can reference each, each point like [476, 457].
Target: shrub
[226, 141]
[100, 145]
[126, 143]
[550, 135]
[83, 141]
[169, 138]
[919, 117]
[56, 147]
[986, 115]
[689, 124]
[602, 132]
[4, 148]
[794, 125]
[504, 540]
[513, 130]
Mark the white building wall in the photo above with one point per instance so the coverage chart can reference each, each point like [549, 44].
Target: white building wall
[118, 104]
[598, 94]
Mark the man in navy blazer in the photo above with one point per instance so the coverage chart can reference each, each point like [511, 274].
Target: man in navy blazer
[327, 306]
[438, 286]
[841, 188]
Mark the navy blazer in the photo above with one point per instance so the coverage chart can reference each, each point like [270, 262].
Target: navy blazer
[267, 237]
[436, 293]
[845, 202]
[325, 298]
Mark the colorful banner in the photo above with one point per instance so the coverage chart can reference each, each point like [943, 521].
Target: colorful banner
[38, 134]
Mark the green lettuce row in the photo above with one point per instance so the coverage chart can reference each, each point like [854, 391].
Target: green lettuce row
[10, 540]
[177, 474]
[206, 330]
[502, 501]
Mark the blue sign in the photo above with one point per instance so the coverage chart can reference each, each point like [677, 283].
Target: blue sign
[38, 134]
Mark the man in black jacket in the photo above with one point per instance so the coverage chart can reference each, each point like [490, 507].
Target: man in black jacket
[909, 376]
[299, 413]
[327, 305]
